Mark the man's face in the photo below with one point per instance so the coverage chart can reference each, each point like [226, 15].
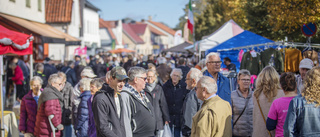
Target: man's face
[303, 72]
[189, 82]
[151, 77]
[77, 59]
[213, 64]
[175, 77]
[64, 83]
[117, 84]
[244, 81]
[141, 82]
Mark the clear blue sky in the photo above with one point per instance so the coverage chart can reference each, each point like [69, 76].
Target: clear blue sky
[167, 11]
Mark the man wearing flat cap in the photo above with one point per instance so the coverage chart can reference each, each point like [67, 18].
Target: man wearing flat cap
[107, 106]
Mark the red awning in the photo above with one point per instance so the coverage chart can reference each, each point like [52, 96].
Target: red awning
[14, 42]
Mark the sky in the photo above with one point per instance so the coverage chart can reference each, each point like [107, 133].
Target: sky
[166, 11]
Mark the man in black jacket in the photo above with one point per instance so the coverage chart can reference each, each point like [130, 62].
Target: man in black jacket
[107, 106]
[155, 94]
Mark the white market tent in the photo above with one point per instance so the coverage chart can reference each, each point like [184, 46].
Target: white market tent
[225, 32]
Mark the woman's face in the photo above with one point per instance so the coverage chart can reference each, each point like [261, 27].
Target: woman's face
[35, 86]
[176, 76]
[93, 89]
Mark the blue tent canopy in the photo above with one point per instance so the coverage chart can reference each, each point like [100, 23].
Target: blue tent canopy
[243, 39]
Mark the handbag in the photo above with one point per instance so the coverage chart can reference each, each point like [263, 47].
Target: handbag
[241, 112]
[264, 119]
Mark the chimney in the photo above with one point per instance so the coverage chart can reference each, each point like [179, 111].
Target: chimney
[142, 20]
[150, 18]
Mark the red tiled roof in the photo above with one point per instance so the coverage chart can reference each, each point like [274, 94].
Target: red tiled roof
[139, 29]
[163, 27]
[106, 24]
[155, 31]
[131, 34]
[58, 11]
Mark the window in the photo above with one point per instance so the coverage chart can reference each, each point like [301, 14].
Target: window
[39, 5]
[28, 3]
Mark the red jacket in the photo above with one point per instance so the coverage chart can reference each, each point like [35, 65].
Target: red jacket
[28, 113]
[18, 76]
[42, 128]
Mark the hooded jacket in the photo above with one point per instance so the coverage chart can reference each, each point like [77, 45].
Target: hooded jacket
[82, 125]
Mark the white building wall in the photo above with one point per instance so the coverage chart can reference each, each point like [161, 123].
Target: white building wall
[75, 24]
[118, 33]
[18, 8]
[90, 27]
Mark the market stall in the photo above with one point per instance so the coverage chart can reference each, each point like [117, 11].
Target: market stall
[12, 43]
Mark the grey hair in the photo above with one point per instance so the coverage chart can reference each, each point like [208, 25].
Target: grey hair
[178, 70]
[62, 75]
[154, 72]
[162, 60]
[85, 84]
[212, 54]
[195, 74]
[243, 72]
[98, 82]
[134, 72]
[39, 67]
[36, 78]
[54, 78]
[209, 83]
[108, 75]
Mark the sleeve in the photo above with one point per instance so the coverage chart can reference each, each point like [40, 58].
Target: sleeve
[164, 106]
[206, 124]
[191, 110]
[83, 113]
[73, 77]
[273, 111]
[243, 61]
[271, 124]
[126, 113]
[49, 108]
[289, 126]
[23, 116]
[17, 75]
[100, 110]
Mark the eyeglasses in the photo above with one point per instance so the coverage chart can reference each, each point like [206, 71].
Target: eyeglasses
[245, 80]
[143, 78]
[214, 62]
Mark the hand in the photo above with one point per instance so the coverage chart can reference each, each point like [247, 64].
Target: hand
[167, 122]
[23, 132]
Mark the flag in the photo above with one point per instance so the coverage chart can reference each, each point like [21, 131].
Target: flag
[190, 18]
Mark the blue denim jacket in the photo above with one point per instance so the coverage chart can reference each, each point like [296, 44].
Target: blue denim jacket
[302, 119]
[223, 84]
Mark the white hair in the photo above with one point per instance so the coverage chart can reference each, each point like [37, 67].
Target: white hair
[178, 70]
[85, 84]
[54, 78]
[209, 83]
[162, 60]
[36, 78]
[195, 74]
[212, 54]
[135, 72]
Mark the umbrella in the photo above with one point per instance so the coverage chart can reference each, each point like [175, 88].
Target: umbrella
[120, 50]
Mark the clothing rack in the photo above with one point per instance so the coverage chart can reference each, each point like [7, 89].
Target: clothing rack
[283, 44]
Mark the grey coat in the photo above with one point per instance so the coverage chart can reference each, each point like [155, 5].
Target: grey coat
[67, 104]
[244, 125]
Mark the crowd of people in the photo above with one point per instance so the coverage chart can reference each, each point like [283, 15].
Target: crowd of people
[113, 96]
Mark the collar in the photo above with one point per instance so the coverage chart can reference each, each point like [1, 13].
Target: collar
[211, 96]
[240, 94]
[33, 95]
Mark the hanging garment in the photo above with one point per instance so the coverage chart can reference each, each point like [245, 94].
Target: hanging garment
[292, 60]
[313, 55]
[252, 62]
[240, 56]
[272, 57]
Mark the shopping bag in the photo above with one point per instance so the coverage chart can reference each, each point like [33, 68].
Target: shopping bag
[166, 131]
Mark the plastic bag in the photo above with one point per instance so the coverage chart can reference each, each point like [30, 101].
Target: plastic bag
[166, 131]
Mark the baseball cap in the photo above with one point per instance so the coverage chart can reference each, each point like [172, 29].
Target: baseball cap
[306, 63]
[119, 73]
[88, 73]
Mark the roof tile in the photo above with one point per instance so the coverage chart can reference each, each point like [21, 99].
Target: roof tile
[58, 11]
[163, 27]
[131, 34]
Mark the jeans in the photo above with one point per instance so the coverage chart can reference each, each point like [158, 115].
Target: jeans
[68, 131]
[176, 131]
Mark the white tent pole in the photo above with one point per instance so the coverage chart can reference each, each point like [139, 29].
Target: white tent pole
[31, 66]
[2, 115]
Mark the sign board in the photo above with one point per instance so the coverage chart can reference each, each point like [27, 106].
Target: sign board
[309, 29]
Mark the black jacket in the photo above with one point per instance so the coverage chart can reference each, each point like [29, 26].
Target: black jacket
[185, 70]
[67, 104]
[100, 70]
[128, 65]
[159, 103]
[48, 70]
[175, 96]
[106, 119]
[71, 75]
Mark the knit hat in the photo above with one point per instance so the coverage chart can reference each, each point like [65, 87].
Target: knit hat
[306, 63]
